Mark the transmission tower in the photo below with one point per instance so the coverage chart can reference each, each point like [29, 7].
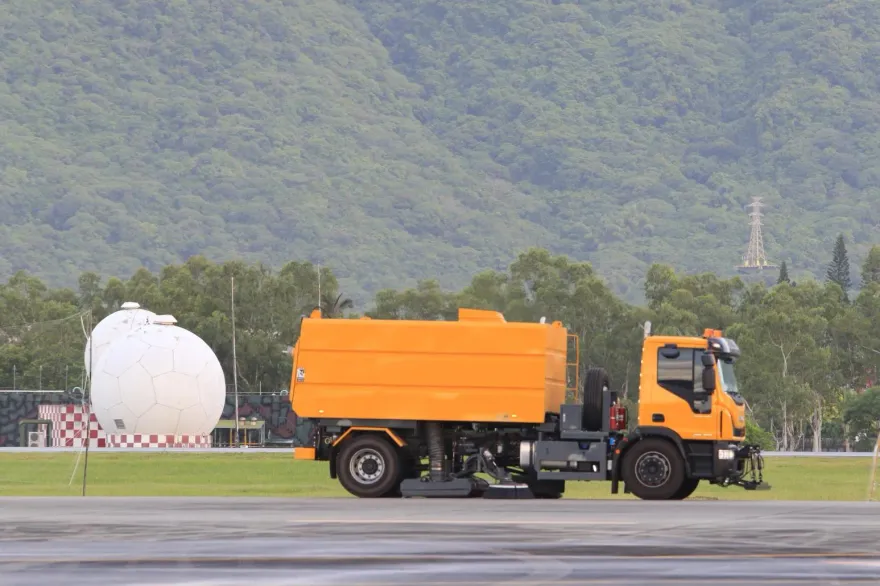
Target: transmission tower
[755, 259]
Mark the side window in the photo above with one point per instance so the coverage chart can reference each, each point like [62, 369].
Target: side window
[702, 402]
[682, 376]
[698, 373]
[677, 374]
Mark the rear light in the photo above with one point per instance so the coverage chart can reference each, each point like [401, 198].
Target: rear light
[617, 417]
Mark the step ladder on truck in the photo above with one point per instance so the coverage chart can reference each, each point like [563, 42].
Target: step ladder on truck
[479, 407]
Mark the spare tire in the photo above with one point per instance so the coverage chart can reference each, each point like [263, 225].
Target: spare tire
[595, 384]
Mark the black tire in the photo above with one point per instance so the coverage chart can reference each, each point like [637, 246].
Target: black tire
[547, 495]
[368, 466]
[408, 466]
[547, 489]
[653, 469]
[596, 382]
[687, 489]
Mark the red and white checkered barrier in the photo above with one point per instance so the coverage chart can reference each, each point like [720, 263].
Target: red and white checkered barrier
[143, 440]
[69, 427]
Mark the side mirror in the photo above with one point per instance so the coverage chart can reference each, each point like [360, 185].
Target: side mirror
[709, 379]
[708, 360]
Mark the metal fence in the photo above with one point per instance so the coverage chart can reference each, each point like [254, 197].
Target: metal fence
[42, 378]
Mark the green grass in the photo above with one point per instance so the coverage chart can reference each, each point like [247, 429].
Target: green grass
[260, 474]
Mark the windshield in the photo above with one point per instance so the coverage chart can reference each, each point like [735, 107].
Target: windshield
[728, 378]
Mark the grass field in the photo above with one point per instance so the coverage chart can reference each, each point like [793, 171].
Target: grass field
[262, 474]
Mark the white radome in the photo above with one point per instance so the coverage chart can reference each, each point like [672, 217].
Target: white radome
[112, 327]
[158, 379]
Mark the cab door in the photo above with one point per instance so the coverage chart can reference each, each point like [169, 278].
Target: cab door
[681, 404]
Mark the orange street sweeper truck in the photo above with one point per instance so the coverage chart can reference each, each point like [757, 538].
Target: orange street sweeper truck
[478, 407]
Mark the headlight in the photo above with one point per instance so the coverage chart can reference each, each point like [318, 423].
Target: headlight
[725, 454]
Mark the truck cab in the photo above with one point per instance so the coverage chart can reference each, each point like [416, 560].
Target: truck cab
[689, 399]
[689, 384]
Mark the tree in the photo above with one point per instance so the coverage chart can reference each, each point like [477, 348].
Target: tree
[838, 270]
[785, 363]
[335, 307]
[783, 274]
[862, 413]
[427, 301]
[871, 266]
[807, 353]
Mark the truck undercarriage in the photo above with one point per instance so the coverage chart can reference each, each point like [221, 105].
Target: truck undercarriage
[449, 459]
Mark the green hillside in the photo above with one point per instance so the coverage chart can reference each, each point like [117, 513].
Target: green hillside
[395, 140]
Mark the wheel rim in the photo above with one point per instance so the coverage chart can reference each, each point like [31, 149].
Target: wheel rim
[653, 469]
[367, 466]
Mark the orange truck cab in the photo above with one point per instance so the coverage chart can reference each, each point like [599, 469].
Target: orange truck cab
[430, 408]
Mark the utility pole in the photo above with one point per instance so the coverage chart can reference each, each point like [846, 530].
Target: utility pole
[234, 361]
[87, 409]
[872, 485]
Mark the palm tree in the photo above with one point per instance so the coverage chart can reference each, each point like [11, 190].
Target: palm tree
[334, 307]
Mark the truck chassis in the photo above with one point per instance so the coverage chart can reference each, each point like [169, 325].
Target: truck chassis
[584, 442]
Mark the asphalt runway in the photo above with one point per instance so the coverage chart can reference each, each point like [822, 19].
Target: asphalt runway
[316, 542]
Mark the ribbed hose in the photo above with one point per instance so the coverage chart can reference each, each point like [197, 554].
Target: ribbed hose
[435, 450]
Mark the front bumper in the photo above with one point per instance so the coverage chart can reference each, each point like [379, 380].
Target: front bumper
[739, 465]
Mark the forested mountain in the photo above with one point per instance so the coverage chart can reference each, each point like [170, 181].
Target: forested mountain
[395, 140]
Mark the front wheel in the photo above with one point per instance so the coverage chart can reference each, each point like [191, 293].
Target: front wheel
[687, 489]
[654, 470]
[368, 466]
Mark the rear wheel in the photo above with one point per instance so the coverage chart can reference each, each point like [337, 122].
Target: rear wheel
[654, 470]
[595, 384]
[368, 466]
[408, 469]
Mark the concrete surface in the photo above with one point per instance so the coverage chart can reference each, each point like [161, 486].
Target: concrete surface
[223, 541]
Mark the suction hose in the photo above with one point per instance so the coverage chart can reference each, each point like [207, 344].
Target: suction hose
[435, 450]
